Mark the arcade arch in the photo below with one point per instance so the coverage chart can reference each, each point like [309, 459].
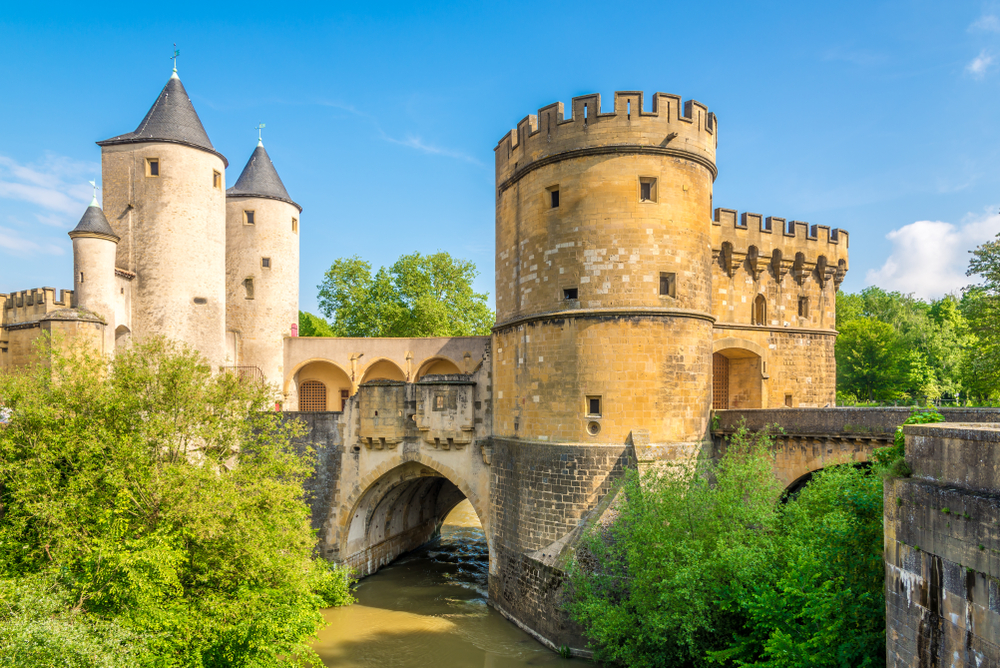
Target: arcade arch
[383, 369]
[322, 378]
[437, 366]
[737, 379]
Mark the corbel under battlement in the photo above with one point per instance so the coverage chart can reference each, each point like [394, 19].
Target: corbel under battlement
[768, 244]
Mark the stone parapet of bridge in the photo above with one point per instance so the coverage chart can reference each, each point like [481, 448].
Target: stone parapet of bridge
[942, 549]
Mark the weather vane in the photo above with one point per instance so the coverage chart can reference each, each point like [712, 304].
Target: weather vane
[94, 184]
[260, 138]
[177, 52]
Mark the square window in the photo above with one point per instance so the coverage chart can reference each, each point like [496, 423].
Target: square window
[265, 262]
[571, 293]
[248, 218]
[647, 189]
[554, 195]
[803, 307]
[788, 401]
[295, 225]
[668, 284]
[593, 406]
[216, 179]
[152, 166]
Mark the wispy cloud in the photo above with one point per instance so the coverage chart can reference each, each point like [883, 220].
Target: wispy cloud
[980, 64]
[929, 257]
[56, 184]
[12, 240]
[986, 23]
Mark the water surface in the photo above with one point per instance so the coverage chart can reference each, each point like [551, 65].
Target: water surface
[428, 609]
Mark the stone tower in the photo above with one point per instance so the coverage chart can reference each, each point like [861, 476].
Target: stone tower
[262, 268]
[603, 274]
[94, 283]
[164, 194]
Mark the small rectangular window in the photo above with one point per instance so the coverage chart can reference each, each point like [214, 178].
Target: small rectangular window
[788, 401]
[593, 406]
[295, 225]
[803, 307]
[247, 287]
[344, 396]
[265, 262]
[248, 218]
[81, 277]
[647, 189]
[216, 179]
[668, 284]
[152, 166]
[570, 293]
[555, 198]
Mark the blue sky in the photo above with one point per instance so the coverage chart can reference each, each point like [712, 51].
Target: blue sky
[876, 117]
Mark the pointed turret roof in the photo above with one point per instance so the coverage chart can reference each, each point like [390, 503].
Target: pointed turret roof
[260, 179]
[171, 119]
[94, 224]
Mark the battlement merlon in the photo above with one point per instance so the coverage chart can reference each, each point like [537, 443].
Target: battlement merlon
[671, 127]
[28, 304]
[788, 242]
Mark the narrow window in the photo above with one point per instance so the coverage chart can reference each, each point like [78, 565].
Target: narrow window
[344, 396]
[629, 108]
[803, 307]
[554, 194]
[668, 284]
[295, 225]
[570, 293]
[759, 310]
[216, 179]
[248, 287]
[81, 277]
[593, 407]
[647, 189]
[439, 402]
[152, 166]
[248, 218]
[265, 262]
[788, 401]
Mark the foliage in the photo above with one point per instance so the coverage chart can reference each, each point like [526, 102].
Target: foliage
[420, 295]
[163, 501]
[700, 565]
[313, 325]
[982, 308]
[889, 460]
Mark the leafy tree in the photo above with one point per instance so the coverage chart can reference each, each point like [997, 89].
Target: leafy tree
[163, 503]
[981, 306]
[420, 295]
[872, 362]
[313, 325]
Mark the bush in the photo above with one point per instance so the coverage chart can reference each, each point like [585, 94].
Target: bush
[164, 501]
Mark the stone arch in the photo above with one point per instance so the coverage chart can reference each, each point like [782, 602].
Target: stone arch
[398, 506]
[759, 314]
[436, 365]
[793, 485]
[123, 335]
[383, 368]
[334, 378]
[737, 374]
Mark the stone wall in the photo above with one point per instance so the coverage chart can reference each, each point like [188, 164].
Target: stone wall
[942, 549]
[540, 496]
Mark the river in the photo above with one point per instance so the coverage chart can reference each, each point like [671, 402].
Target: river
[428, 609]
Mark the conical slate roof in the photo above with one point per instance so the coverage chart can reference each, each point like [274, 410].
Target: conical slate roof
[171, 119]
[260, 179]
[93, 222]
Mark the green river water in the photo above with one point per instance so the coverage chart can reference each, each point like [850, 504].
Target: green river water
[428, 609]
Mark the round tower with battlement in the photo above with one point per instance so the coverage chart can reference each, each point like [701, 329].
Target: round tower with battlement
[603, 273]
[262, 269]
[164, 196]
[94, 283]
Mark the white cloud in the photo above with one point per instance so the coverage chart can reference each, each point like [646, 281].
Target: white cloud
[986, 23]
[11, 240]
[55, 183]
[980, 64]
[929, 257]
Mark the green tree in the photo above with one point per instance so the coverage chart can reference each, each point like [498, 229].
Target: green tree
[313, 325]
[420, 295]
[872, 363]
[162, 501]
[981, 307]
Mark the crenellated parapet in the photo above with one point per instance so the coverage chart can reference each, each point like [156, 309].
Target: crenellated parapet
[29, 305]
[671, 128]
[778, 246]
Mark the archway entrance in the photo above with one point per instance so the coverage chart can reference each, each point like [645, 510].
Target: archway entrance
[397, 513]
[322, 386]
[737, 379]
